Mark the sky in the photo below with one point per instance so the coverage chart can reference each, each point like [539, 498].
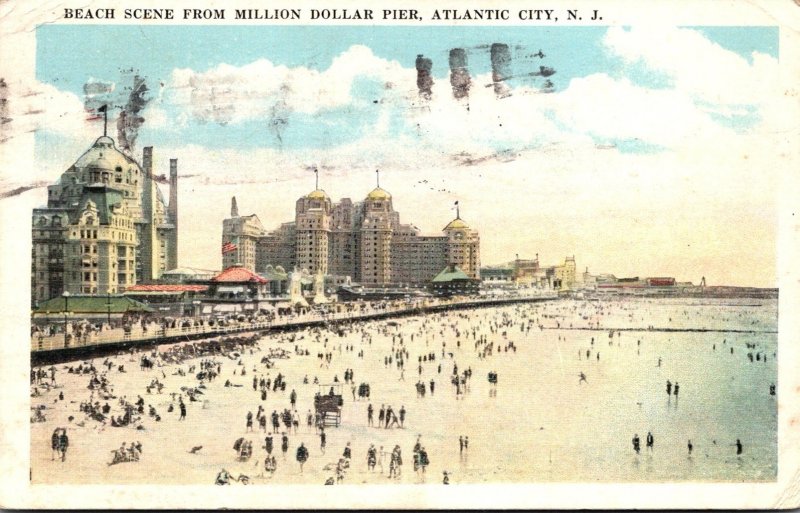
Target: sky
[643, 151]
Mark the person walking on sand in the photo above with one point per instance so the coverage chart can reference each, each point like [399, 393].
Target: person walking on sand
[370, 409]
[738, 447]
[381, 416]
[322, 438]
[302, 455]
[371, 458]
[636, 443]
[396, 462]
[284, 445]
[380, 458]
[402, 415]
[54, 444]
[423, 459]
[582, 379]
[669, 388]
[649, 441]
[276, 423]
[677, 387]
[63, 444]
[389, 415]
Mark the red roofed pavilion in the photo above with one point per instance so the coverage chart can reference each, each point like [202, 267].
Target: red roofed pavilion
[238, 274]
[236, 289]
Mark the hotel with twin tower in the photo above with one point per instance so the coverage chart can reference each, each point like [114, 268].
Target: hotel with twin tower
[362, 241]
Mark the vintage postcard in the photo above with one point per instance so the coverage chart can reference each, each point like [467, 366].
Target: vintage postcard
[399, 254]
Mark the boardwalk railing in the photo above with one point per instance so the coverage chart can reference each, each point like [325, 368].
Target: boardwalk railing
[136, 334]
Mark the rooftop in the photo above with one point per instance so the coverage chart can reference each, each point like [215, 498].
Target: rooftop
[450, 273]
[238, 274]
[167, 288]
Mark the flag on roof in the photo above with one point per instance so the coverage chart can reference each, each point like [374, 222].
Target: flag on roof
[228, 247]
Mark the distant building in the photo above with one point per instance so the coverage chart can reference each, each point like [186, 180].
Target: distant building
[105, 227]
[497, 276]
[452, 281]
[363, 241]
[564, 276]
[640, 286]
[240, 237]
[529, 273]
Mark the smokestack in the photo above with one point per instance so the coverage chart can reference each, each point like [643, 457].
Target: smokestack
[234, 208]
[147, 162]
[173, 191]
[148, 236]
[173, 213]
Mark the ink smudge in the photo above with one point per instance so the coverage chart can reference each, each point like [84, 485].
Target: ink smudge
[4, 118]
[501, 68]
[424, 78]
[130, 120]
[459, 74]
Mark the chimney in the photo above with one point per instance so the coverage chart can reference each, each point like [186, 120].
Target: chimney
[147, 162]
[147, 242]
[173, 214]
[173, 190]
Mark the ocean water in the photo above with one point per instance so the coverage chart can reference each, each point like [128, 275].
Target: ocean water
[538, 424]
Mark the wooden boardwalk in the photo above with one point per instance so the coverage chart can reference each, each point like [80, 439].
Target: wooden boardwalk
[53, 349]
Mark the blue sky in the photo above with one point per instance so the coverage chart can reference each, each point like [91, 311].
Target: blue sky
[67, 56]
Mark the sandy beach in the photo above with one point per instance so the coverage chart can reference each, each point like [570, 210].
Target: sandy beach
[539, 423]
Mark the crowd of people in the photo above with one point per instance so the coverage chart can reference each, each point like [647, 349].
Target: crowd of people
[273, 384]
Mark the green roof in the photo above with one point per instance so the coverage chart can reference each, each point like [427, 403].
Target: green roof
[104, 197]
[93, 304]
[273, 275]
[450, 273]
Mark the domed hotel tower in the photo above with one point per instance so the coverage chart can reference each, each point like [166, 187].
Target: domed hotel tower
[106, 226]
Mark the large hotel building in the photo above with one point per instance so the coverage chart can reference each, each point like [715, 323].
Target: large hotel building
[363, 241]
[106, 226]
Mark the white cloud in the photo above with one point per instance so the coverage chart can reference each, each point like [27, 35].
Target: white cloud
[698, 66]
[33, 106]
[617, 109]
[231, 94]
